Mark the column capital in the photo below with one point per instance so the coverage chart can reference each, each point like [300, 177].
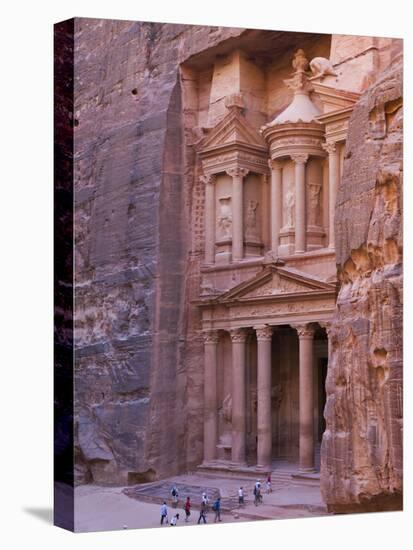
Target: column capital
[238, 334]
[305, 330]
[208, 178]
[299, 158]
[210, 336]
[330, 147]
[263, 332]
[237, 172]
[275, 164]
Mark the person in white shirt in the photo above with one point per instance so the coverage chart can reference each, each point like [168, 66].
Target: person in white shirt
[240, 497]
[174, 519]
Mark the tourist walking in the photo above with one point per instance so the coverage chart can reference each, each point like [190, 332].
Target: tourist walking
[175, 494]
[174, 520]
[240, 497]
[202, 512]
[268, 484]
[164, 513]
[257, 493]
[187, 509]
[217, 509]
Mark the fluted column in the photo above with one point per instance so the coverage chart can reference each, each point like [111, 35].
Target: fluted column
[276, 204]
[209, 181]
[238, 337]
[210, 395]
[306, 396]
[264, 429]
[300, 214]
[333, 183]
[237, 175]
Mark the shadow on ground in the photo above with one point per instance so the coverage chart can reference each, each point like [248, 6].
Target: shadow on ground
[44, 514]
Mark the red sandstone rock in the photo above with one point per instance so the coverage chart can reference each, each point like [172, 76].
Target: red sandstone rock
[361, 456]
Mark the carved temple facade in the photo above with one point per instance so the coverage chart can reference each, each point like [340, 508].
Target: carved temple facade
[268, 274]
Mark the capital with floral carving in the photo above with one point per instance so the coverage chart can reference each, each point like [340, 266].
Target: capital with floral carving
[306, 330]
[264, 333]
[211, 336]
[208, 179]
[329, 146]
[275, 164]
[237, 172]
[238, 335]
[299, 158]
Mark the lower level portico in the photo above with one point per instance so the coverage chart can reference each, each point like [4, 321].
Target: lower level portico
[265, 371]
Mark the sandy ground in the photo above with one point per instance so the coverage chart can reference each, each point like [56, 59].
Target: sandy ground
[107, 508]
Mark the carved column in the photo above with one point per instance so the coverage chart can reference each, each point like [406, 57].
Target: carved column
[238, 337]
[209, 182]
[210, 395]
[306, 393]
[264, 431]
[333, 183]
[238, 175]
[276, 204]
[300, 219]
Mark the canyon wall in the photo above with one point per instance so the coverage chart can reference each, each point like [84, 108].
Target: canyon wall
[361, 452]
[131, 217]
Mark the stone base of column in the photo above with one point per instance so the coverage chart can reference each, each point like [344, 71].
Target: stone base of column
[263, 468]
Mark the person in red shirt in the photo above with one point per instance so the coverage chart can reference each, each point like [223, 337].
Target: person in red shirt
[187, 509]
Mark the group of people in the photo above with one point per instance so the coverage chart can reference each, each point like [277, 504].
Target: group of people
[204, 507]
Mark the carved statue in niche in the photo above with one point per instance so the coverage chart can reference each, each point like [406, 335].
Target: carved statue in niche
[225, 420]
[251, 219]
[289, 204]
[225, 217]
[314, 203]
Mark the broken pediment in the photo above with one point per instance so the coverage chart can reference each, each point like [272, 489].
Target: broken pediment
[275, 282]
[333, 99]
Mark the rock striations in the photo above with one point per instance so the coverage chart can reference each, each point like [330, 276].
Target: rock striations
[362, 445]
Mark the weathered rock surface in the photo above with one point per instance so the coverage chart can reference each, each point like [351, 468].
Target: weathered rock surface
[362, 445]
[131, 210]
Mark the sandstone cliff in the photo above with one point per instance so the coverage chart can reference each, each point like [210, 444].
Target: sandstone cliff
[362, 446]
[131, 218]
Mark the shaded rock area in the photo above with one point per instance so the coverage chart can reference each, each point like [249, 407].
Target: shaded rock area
[361, 456]
[130, 218]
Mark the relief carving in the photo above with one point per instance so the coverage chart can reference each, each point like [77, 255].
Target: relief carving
[251, 220]
[314, 203]
[321, 67]
[289, 207]
[224, 218]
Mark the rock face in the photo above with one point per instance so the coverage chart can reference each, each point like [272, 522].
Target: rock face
[131, 217]
[362, 445]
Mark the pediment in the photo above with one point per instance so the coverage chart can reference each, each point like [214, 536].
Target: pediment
[275, 282]
[234, 129]
[334, 99]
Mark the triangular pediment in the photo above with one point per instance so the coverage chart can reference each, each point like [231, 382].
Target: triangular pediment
[232, 130]
[276, 281]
